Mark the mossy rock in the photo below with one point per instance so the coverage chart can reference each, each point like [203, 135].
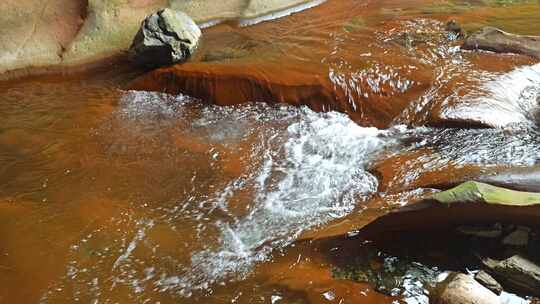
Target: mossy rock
[475, 192]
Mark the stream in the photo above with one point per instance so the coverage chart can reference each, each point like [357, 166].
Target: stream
[113, 195]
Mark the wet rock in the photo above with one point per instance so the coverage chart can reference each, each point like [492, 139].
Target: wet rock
[479, 192]
[494, 231]
[496, 40]
[459, 288]
[230, 82]
[521, 179]
[32, 36]
[225, 54]
[76, 33]
[489, 282]
[392, 275]
[517, 272]
[519, 237]
[165, 37]
[453, 27]
[470, 204]
[410, 39]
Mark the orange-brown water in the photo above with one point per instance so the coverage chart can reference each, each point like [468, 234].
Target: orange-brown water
[110, 196]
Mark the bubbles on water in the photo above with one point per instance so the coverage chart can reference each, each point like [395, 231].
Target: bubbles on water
[298, 169]
[301, 170]
[430, 155]
[507, 100]
[318, 175]
[141, 105]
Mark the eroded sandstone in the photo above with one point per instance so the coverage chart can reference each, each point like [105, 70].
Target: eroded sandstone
[71, 33]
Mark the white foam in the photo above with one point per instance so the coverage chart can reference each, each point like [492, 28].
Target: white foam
[318, 176]
[303, 169]
[137, 105]
[133, 244]
[509, 99]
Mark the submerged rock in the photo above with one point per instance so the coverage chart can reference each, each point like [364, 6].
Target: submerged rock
[494, 231]
[393, 275]
[229, 84]
[519, 237]
[165, 37]
[295, 82]
[489, 282]
[459, 288]
[517, 272]
[496, 40]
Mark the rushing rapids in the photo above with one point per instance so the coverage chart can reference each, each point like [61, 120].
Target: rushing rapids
[227, 179]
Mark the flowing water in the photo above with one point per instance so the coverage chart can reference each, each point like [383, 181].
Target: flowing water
[109, 195]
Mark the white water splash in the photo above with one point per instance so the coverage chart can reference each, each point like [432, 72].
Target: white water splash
[140, 105]
[133, 244]
[507, 100]
[304, 169]
[319, 176]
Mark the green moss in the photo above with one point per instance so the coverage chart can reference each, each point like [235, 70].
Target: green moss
[387, 273]
[484, 193]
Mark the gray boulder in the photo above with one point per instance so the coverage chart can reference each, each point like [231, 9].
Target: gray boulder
[489, 282]
[517, 272]
[164, 38]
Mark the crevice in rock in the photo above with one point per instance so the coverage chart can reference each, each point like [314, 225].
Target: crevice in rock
[84, 8]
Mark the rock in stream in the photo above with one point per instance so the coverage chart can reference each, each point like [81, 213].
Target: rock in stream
[489, 282]
[499, 41]
[460, 288]
[165, 37]
[517, 272]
